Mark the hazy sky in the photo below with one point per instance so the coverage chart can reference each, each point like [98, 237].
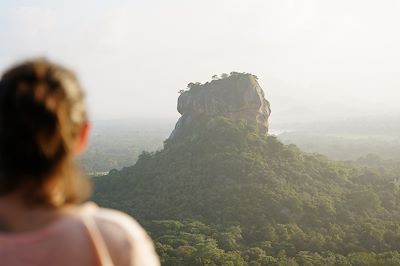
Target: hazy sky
[313, 57]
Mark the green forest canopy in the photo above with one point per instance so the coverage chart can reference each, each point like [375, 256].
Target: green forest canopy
[221, 194]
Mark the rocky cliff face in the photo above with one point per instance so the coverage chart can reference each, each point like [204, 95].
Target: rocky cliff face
[238, 96]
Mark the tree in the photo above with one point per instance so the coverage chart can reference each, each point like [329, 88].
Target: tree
[190, 85]
[224, 75]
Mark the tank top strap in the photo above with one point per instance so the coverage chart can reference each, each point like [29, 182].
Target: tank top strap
[100, 248]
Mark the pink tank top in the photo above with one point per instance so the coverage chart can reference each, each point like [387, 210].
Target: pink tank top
[92, 236]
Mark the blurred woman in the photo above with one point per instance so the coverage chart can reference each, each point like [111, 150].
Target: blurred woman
[43, 126]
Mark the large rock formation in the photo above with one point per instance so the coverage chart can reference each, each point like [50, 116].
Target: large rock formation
[237, 96]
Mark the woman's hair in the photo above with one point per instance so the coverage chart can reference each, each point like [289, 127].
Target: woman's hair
[42, 113]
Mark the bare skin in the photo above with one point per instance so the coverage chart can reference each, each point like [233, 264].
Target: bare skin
[17, 217]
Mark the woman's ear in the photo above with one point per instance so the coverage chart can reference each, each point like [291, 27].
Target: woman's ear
[82, 139]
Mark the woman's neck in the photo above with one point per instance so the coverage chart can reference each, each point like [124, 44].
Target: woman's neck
[17, 216]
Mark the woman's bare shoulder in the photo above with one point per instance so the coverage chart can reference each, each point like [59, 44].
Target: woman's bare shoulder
[126, 240]
[114, 218]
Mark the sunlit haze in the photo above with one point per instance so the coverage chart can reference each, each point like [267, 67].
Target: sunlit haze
[315, 59]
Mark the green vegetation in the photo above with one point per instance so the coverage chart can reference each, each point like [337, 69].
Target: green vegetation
[221, 194]
[118, 143]
[348, 139]
[350, 146]
[197, 86]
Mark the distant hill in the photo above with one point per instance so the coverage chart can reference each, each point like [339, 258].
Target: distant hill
[223, 193]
